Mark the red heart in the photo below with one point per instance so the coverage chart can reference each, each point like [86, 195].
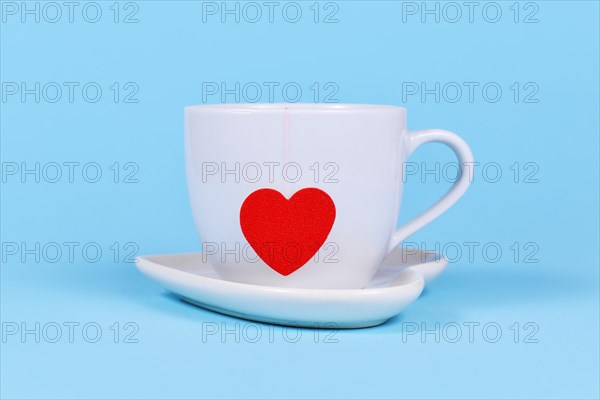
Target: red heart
[287, 233]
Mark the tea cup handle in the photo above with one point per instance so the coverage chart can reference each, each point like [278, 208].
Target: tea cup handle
[465, 158]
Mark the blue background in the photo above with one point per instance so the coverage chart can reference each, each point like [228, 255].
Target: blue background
[368, 54]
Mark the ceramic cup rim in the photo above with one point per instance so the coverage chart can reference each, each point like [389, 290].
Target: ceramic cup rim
[310, 107]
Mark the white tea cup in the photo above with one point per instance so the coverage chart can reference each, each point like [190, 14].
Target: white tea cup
[305, 195]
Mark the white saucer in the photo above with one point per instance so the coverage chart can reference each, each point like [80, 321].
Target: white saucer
[392, 289]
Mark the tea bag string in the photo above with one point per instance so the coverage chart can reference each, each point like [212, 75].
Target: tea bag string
[286, 155]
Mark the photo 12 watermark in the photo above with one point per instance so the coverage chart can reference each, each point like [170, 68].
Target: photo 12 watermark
[469, 92]
[476, 251]
[70, 92]
[470, 12]
[271, 12]
[517, 172]
[70, 252]
[470, 332]
[250, 332]
[269, 172]
[70, 12]
[70, 332]
[58, 172]
[270, 92]
[282, 251]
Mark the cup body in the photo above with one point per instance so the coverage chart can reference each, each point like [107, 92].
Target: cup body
[354, 153]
